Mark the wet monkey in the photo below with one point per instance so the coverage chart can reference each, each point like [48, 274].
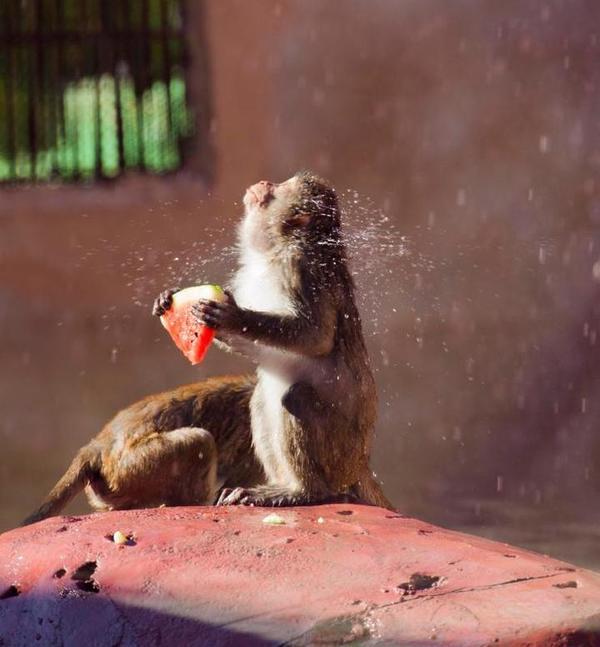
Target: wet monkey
[292, 310]
[297, 432]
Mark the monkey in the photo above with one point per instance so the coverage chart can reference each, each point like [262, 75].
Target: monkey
[292, 310]
[297, 432]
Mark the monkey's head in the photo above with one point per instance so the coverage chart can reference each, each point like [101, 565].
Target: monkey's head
[300, 212]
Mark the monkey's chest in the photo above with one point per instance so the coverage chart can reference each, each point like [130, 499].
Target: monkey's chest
[259, 287]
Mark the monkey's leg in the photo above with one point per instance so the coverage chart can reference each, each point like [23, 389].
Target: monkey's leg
[177, 467]
[315, 452]
[303, 402]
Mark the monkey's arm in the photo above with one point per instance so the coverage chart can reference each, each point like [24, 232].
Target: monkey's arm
[306, 333]
[311, 332]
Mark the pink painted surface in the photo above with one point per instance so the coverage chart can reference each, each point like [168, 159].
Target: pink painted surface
[331, 574]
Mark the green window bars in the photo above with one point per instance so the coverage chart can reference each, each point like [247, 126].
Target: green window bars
[91, 88]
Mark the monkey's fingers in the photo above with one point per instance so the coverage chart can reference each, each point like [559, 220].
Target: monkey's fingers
[212, 305]
[157, 309]
[258, 496]
[225, 492]
[231, 496]
[252, 500]
[163, 302]
[213, 311]
[206, 315]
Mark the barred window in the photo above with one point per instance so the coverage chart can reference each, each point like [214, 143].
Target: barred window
[91, 88]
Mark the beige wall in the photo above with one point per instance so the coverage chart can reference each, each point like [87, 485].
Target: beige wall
[472, 126]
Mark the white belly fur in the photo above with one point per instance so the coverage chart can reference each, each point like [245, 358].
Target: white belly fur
[258, 286]
[268, 429]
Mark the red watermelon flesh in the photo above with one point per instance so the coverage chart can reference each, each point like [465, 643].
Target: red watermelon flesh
[192, 338]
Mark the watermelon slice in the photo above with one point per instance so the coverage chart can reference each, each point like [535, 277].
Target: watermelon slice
[192, 338]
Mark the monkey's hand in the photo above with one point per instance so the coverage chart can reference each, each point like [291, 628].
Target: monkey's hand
[225, 316]
[163, 302]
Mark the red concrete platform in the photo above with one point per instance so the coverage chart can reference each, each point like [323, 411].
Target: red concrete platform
[333, 574]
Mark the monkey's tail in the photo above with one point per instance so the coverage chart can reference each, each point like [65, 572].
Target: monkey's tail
[369, 491]
[72, 482]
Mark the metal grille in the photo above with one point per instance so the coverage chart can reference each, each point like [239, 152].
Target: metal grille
[91, 88]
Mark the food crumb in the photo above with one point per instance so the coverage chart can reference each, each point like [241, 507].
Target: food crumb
[120, 538]
[274, 520]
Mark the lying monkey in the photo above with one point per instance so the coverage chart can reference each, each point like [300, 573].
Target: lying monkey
[299, 431]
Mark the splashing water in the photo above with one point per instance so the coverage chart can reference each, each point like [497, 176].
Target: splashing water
[149, 268]
[388, 266]
[383, 261]
[191, 264]
[375, 244]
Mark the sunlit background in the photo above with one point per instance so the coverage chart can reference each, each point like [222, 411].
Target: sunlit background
[463, 139]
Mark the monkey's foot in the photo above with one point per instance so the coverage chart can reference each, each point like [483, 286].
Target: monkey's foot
[278, 497]
[267, 496]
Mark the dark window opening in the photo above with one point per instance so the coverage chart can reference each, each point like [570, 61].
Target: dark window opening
[91, 88]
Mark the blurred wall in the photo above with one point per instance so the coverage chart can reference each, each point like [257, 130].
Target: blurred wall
[469, 127]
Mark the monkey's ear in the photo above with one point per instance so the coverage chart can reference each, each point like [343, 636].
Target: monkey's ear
[298, 219]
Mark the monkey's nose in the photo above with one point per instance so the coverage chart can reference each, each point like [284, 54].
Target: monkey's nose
[263, 191]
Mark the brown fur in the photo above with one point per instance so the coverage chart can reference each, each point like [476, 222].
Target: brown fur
[300, 431]
[165, 449]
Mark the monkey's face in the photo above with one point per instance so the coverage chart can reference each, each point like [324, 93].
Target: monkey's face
[298, 210]
[259, 197]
